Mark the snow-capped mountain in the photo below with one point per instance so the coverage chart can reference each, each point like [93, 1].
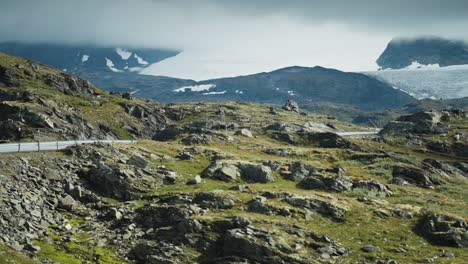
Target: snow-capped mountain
[423, 52]
[88, 58]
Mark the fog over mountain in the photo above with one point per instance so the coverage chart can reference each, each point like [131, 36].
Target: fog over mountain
[227, 38]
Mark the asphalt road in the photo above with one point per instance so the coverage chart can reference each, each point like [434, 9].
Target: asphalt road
[54, 145]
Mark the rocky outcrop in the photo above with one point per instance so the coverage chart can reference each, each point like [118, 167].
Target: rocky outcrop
[414, 176]
[291, 106]
[325, 208]
[444, 230]
[418, 123]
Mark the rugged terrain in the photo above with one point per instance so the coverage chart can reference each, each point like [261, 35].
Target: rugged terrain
[222, 182]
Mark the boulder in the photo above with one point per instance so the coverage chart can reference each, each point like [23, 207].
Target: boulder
[256, 173]
[222, 171]
[244, 132]
[196, 180]
[299, 171]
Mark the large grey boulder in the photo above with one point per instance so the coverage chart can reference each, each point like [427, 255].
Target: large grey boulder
[222, 171]
[256, 173]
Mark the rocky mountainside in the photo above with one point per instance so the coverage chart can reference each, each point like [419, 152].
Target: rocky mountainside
[223, 182]
[419, 52]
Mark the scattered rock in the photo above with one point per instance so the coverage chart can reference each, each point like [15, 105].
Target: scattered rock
[194, 181]
[370, 249]
[244, 132]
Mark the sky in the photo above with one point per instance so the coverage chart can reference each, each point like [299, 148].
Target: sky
[236, 37]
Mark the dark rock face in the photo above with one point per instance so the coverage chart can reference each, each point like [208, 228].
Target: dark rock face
[415, 176]
[444, 230]
[401, 53]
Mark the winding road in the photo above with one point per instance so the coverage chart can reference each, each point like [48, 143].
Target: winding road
[58, 145]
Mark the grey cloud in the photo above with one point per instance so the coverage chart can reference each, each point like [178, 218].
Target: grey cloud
[187, 23]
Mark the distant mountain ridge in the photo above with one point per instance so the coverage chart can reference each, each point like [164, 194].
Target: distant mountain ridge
[401, 53]
[302, 84]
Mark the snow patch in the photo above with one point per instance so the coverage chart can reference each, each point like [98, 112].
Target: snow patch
[196, 88]
[111, 66]
[124, 54]
[291, 92]
[214, 93]
[140, 60]
[134, 69]
[84, 58]
[416, 66]
[239, 92]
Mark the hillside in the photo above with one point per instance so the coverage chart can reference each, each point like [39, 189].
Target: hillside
[222, 182]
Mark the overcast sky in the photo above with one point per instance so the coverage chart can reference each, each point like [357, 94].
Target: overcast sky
[231, 37]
